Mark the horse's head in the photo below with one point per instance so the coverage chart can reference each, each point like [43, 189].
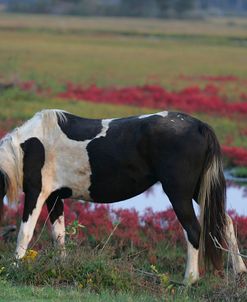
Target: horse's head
[3, 191]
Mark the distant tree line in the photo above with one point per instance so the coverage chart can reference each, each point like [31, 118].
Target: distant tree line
[141, 8]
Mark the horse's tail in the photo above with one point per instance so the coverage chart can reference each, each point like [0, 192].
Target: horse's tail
[212, 199]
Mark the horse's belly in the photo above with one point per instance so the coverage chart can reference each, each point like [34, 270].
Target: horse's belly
[118, 187]
[107, 188]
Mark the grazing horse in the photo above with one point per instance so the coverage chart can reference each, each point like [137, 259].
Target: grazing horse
[57, 155]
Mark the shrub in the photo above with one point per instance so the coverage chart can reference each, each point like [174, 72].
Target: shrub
[124, 228]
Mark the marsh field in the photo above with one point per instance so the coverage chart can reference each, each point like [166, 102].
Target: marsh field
[113, 67]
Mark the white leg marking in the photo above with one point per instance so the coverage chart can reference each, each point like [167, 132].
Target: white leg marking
[192, 270]
[58, 234]
[58, 230]
[237, 261]
[26, 230]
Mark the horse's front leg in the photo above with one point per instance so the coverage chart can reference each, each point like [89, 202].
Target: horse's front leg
[35, 195]
[55, 208]
[34, 201]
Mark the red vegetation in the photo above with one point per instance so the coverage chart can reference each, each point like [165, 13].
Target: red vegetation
[190, 99]
[33, 87]
[243, 96]
[28, 86]
[222, 78]
[238, 155]
[240, 223]
[2, 133]
[243, 132]
[131, 228]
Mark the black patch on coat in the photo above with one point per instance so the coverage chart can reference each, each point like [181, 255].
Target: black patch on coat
[119, 162]
[3, 184]
[136, 153]
[55, 204]
[33, 161]
[78, 128]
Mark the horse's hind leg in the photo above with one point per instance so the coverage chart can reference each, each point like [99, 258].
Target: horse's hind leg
[237, 261]
[186, 216]
[55, 208]
[183, 207]
[192, 271]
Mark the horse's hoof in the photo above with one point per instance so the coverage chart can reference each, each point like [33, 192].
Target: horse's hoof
[190, 281]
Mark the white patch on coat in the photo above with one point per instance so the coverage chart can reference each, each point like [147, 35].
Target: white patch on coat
[58, 234]
[71, 164]
[192, 270]
[237, 261]
[105, 127]
[163, 114]
[22, 241]
[67, 165]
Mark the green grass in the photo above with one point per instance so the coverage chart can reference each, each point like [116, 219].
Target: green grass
[19, 105]
[87, 275]
[230, 27]
[83, 55]
[239, 172]
[9, 292]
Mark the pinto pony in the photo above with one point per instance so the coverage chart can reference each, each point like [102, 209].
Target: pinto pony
[57, 155]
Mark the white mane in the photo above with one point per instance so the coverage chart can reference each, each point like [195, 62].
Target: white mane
[42, 125]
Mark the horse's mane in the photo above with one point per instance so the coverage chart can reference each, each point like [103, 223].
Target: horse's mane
[11, 166]
[41, 125]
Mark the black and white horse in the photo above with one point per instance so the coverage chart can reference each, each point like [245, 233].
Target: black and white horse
[57, 155]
